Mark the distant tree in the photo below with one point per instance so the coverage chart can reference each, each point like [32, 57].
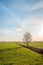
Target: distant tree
[27, 38]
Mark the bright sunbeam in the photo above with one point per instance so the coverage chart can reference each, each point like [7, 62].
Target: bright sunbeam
[41, 30]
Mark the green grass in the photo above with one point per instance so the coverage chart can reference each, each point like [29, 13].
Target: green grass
[34, 44]
[13, 54]
[37, 44]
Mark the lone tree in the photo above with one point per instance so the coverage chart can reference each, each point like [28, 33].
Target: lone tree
[27, 37]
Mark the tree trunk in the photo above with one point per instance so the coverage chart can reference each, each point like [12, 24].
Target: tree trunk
[27, 43]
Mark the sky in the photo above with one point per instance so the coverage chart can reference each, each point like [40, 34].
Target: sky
[20, 16]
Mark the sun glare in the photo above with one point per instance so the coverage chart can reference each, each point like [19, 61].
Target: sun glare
[41, 30]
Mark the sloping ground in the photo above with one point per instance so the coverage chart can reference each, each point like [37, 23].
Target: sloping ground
[37, 50]
[13, 54]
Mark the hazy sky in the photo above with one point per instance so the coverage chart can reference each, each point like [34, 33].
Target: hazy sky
[20, 16]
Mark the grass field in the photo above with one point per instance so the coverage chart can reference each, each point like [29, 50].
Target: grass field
[34, 44]
[13, 54]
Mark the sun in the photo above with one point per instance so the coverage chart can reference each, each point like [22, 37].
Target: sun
[41, 30]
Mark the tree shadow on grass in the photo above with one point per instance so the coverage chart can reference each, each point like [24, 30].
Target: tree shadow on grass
[37, 50]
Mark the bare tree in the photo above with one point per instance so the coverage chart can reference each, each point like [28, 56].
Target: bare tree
[27, 37]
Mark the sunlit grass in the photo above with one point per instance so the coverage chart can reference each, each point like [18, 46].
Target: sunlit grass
[36, 44]
[13, 54]
[33, 44]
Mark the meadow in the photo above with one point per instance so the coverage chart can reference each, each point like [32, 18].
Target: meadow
[13, 54]
[33, 44]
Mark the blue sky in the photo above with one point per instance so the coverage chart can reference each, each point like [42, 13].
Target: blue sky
[20, 16]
